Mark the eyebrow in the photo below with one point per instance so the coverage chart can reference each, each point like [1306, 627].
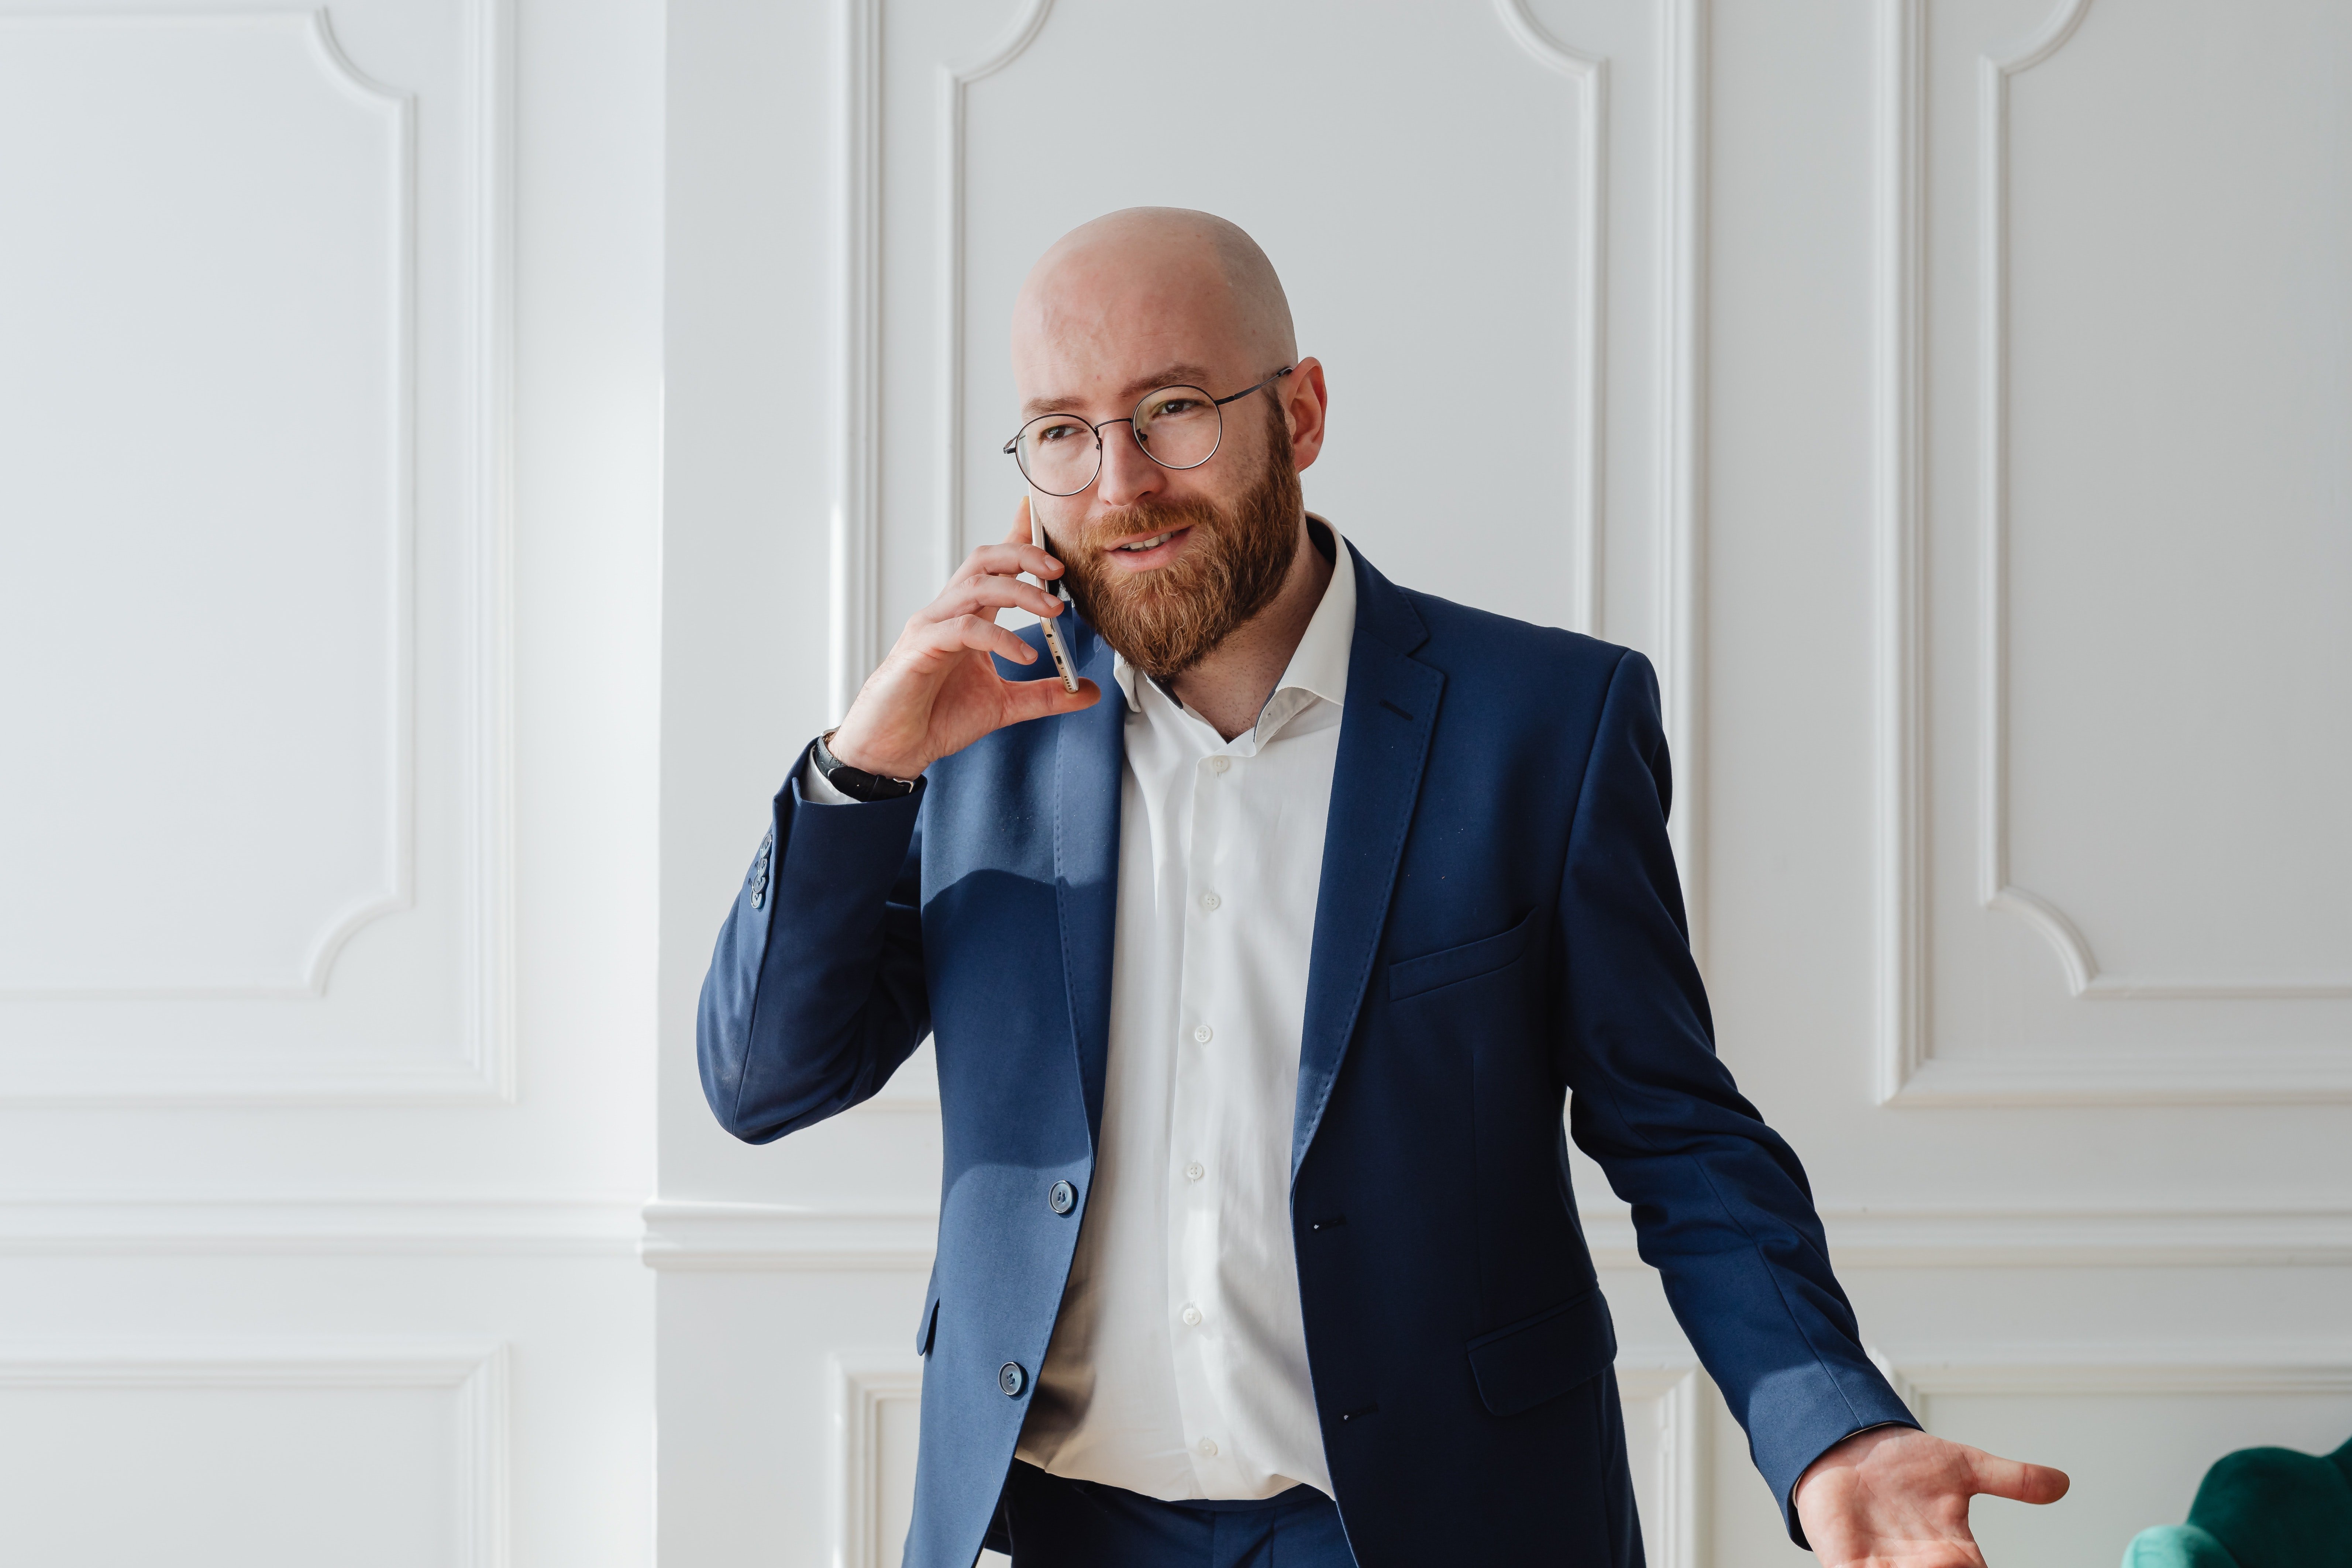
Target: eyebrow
[1166, 375]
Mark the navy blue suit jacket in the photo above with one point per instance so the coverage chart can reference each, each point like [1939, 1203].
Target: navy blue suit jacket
[1499, 927]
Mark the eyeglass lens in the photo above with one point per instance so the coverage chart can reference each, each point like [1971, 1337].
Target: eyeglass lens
[1177, 426]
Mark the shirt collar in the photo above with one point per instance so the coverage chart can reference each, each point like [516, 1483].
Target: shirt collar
[1319, 663]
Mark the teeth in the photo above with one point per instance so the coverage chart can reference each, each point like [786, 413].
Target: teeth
[1154, 542]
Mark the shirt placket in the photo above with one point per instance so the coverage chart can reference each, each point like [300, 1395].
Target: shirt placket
[1198, 1153]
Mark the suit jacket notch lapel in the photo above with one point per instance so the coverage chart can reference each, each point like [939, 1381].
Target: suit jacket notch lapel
[1384, 732]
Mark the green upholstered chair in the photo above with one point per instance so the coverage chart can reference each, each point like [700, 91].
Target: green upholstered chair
[2260, 1508]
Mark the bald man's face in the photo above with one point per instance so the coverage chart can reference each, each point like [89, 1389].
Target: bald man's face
[1164, 563]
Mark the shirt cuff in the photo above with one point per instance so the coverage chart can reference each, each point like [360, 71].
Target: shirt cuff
[817, 789]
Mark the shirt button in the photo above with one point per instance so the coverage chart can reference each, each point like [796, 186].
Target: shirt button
[1204, 1034]
[1193, 1172]
[1208, 1447]
[1210, 900]
[1191, 1316]
[1218, 766]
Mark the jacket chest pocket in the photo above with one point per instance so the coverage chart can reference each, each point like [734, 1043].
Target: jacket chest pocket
[1433, 972]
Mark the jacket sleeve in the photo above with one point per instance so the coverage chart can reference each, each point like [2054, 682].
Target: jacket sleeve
[816, 993]
[1721, 1203]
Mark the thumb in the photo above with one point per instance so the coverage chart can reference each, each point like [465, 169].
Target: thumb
[2019, 1482]
[1044, 697]
[1020, 534]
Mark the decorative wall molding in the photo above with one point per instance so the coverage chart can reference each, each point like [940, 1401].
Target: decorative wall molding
[1682, 433]
[2178, 1238]
[856, 557]
[1676, 1534]
[1589, 369]
[783, 1237]
[863, 1384]
[238, 1227]
[779, 1236]
[489, 491]
[2084, 978]
[395, 114]
[400, 870]
[483, 1068]
[1898, 504]
[2220, 1075]
[1910, 1073]
[476, 1371]
[954, 84]
[2108, 1367]
[391, 115]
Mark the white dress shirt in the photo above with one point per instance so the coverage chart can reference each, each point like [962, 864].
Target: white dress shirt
[1178, 1367]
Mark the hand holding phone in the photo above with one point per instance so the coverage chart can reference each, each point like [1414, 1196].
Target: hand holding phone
[937, 692]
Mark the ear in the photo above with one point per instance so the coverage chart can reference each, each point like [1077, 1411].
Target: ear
[1306, 401]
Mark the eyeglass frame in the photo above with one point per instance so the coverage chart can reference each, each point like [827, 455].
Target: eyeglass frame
[1011, 449]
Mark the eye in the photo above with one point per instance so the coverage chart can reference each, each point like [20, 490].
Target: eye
[1047, 434]
[1176, 407]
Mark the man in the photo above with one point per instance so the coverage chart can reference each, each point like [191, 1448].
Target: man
[1257, 987]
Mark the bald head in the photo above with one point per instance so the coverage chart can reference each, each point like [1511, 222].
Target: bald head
[1144, 289]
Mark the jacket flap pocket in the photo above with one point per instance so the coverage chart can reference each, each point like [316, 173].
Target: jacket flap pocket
[1412, 976]
[1519, 1367]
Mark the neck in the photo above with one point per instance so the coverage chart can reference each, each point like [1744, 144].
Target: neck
[1230, 686]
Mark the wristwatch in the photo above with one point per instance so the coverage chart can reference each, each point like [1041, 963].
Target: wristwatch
[856, 783]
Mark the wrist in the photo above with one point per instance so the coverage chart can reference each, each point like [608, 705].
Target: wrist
[853, 780]
[847, 745]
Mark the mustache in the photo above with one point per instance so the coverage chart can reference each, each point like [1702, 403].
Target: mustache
[1145, 518]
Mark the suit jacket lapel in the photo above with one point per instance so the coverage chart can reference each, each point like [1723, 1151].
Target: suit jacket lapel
[1384, 729]
[1088, 747]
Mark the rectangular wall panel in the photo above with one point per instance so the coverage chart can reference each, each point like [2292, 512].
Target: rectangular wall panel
[2113, 657]
[252, 473]
[385, 1454]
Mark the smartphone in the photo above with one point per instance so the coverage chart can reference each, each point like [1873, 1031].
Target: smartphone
[1054, 643]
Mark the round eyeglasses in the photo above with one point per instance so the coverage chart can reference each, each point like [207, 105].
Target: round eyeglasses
[1177, 426]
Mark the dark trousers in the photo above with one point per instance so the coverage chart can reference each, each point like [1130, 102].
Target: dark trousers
[1058, 1523]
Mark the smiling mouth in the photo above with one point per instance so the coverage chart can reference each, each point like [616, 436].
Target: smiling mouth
[1154, 542]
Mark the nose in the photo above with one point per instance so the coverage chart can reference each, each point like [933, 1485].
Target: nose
[1128, 476]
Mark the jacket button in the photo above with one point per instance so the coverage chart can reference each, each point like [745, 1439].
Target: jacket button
[1063, 1198]
[1011, 1379]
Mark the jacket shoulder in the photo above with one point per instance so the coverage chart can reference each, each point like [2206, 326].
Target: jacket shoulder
[1471, 644]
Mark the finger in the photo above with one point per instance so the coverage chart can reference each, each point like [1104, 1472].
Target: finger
[983, 635]
[985, 595]
[2017, 1480]
[1042, 699]
[1004, 560]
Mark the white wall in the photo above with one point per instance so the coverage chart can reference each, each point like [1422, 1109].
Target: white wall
[328, 543]
[1949, 397]
[452, 457]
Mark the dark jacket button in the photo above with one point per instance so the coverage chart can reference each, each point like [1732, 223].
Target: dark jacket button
[1063, 1198]
[1011, 1379]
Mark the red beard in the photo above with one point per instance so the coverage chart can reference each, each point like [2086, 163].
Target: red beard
[1166, 621]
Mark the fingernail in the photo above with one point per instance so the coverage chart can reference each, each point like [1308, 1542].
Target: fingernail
[1028, 654]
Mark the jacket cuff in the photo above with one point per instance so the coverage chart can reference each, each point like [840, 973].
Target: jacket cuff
[1843, 1406]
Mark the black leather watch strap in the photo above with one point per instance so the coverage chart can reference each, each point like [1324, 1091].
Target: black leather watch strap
[856, 783]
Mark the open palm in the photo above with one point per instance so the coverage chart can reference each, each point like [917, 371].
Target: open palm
[1897, 1498]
